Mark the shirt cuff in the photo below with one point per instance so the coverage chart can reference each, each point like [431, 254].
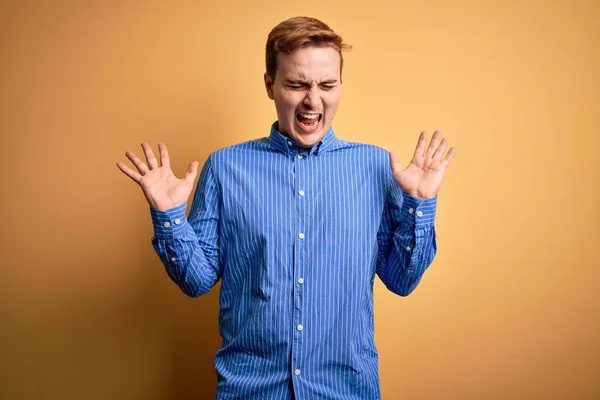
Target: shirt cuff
[416, 212]
[169, 223]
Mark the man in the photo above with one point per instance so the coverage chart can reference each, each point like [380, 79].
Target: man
[296, 225]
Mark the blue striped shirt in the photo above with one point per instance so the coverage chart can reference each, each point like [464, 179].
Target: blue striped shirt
[296, 238]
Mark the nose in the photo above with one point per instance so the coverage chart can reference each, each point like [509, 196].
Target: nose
[311, 100]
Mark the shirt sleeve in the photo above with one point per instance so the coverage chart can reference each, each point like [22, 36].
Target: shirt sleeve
[189, 246]
[406, 239]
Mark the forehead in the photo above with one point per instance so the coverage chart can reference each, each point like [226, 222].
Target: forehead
[309, 63]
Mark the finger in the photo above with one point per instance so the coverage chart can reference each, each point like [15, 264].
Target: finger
[449, 156]
[164, 155]
[150, 158]
[139, 164]
[129, 172]
[440, 150]
[420, 149]
[191, 172]
[433, 144]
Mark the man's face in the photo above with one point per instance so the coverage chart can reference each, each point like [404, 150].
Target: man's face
[306, 92]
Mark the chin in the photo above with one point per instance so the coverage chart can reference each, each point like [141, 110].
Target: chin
[309, 139]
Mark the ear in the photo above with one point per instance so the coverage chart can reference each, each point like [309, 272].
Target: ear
[269, 86]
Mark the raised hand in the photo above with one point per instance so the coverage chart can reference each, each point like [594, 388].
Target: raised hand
[162, 188]
[423, 176]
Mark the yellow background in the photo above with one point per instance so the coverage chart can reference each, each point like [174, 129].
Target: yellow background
[509, 308]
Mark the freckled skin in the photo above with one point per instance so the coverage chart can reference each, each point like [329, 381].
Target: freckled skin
[307, 80]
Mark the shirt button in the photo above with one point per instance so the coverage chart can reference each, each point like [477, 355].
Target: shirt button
[300, 156]
[301, 192]
[173, 259]
[297, 372]
[299, 327]
[300, 281]
[420, 213]
[289, 143]
[167, 224]
[410, 210]
[301, 235]
[407, 248]
[177, 221]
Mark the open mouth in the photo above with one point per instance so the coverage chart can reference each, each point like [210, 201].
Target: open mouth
[309, 121]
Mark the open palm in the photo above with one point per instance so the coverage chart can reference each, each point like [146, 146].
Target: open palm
[162, 189]
[423, 176]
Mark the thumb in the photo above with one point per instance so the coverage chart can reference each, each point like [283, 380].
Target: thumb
[395, 163]
[190, 174]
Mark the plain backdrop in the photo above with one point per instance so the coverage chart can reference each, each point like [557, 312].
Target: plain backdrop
[509, 308]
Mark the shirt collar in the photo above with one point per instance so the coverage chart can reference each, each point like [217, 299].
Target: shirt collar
[288, 146]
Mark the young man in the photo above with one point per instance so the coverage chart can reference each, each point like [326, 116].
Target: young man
[296, 225]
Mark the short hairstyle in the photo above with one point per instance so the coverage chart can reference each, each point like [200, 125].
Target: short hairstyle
[300, 32]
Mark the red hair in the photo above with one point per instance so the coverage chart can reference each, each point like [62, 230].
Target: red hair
[299, 32]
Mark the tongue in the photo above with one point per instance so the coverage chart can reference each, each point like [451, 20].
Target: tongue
[307, 121]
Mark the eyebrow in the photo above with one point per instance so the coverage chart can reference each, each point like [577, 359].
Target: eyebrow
[301, 82]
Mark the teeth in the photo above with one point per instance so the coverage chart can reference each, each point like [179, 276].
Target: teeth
[309, 116]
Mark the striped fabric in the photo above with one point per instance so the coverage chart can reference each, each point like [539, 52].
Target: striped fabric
[296, 238]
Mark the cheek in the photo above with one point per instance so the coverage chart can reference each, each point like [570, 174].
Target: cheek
[331, 103]
[285, 105]
[289, 104]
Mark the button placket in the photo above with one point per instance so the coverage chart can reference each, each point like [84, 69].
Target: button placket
[299, 161]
